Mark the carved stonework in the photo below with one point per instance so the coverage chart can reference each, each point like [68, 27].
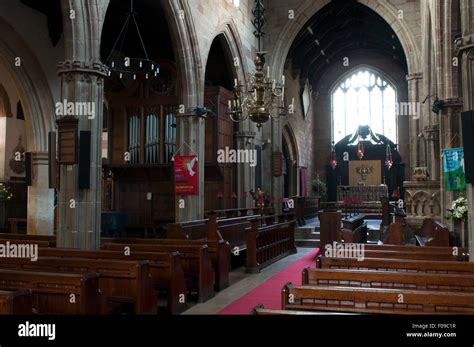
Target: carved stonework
[414, 76]
[83, 67]
[422, 200]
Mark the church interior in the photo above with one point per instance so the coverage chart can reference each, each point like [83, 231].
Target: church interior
[236, 157]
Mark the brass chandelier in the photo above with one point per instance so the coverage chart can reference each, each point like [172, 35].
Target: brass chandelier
[260, 97]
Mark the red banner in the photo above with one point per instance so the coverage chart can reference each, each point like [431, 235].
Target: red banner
[186, 180]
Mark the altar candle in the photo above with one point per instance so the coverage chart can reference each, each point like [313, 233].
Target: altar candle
[274, 85]
[230, 104]
[236, 82]
[283, 80]
[268, 72]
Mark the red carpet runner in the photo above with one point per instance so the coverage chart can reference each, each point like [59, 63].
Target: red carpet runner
[269, 292]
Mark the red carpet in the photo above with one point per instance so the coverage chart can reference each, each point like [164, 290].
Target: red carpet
[269, 292]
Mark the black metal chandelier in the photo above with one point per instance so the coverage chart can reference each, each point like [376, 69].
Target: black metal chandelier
[131, 67]
[260, 97]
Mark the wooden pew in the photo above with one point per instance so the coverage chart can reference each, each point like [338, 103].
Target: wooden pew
[122, 282]
[388, 279]
[40, 243]
[411, 255]
[260, 310]
[457, 251]
[52, 291]
[165, 268]
[403, 265]
[354, 229]
[412, 248]
[16, 302]
[376, 300]
[8, 236]
[330, 227]
[234, 212]
[268, 243]
[196, 262]
[433, 233]
[219, 251]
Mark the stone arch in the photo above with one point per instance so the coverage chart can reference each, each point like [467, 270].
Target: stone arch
[5, 107]
[310, 7]
[32, 87]
[190, 66]
[231, 34]
[290, 139]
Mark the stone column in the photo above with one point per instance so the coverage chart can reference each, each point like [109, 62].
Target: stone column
[40, 218]
[468, 96]
[450, 137]
[79, 209]
[245, 173]
[191, 131]
[466, 48]
[414, 122]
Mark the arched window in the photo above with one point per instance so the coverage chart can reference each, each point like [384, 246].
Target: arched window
[364, 98]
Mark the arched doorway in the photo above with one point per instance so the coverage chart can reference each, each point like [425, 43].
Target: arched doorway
[140, 120]
[220, 177]
[340, 39]
[290, 163]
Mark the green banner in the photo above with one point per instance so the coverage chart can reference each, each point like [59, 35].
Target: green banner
[453, 164]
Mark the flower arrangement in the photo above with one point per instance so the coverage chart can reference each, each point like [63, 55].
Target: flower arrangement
[458, 210]
[320, 188]
[261, 198]
[5, 193]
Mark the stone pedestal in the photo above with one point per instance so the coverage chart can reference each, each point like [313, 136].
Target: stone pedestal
[40, 218]
[422, 200]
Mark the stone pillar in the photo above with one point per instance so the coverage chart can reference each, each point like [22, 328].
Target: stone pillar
[450, 137]
[414, 122]
[191, 131]
[245, 173]
[277, 147]
[40, 218]
[466, 48]
[79, 209]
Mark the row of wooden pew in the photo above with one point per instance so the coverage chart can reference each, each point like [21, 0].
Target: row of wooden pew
[389, 279]
[126, 274]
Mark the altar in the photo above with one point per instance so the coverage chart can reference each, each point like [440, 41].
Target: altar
[362, 194]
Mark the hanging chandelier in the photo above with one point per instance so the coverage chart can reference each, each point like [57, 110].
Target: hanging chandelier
[131, 67]
[260, 97]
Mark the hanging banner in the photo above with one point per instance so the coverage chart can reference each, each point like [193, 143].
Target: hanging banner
[453, 164]
[186, 180]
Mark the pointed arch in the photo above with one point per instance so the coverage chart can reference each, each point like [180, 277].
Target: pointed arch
[31, 85]
[308, 8]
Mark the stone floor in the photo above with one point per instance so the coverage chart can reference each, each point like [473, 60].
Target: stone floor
[241, 283]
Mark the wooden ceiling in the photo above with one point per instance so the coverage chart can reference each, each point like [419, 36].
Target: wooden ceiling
[339, 28]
